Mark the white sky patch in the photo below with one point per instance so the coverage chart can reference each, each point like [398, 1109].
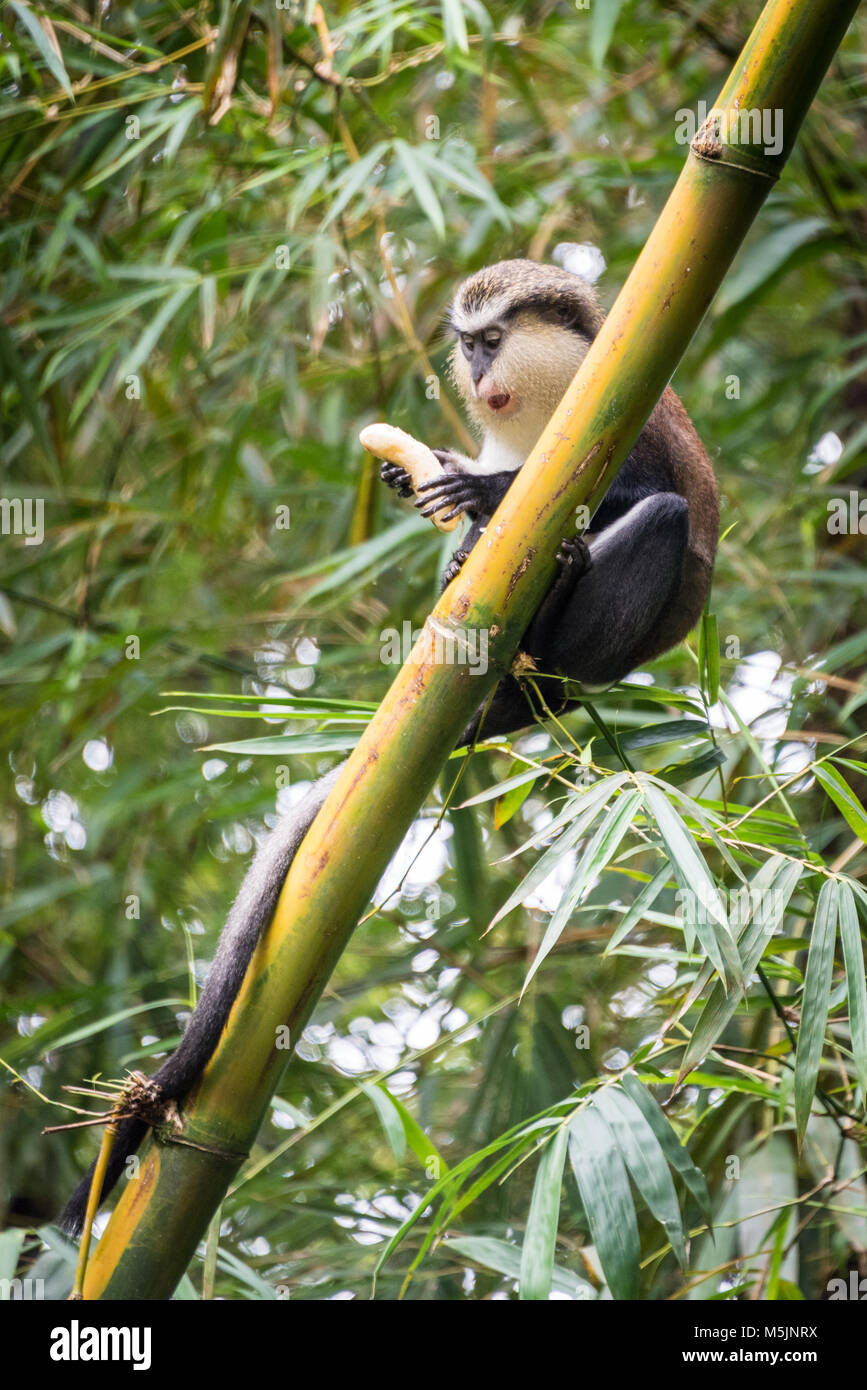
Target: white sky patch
[825, 453]
[533, 745]
[761, 692]
[25, 788]
[287, 797]
[548, 894]
[97, 754]
[237, 839]
[75, 835]
[615, 1060]
[427, 840]
[300, 677]
[426, 1030]
[59, 810]
[580, 258]
[424, 961]
[631, 1002]
[347, 1057]
[572, 1016]
[384, 1034]
[306, 651]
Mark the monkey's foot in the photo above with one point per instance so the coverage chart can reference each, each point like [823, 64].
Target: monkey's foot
[454, 567]
[574, 556]
[394, 476]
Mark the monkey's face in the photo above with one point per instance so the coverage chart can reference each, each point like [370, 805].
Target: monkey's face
[512, 372]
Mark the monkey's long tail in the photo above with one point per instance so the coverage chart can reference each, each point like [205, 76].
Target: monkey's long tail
[251, 912]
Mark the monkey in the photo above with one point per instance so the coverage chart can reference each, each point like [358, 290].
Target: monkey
[626, 591]
[635, 584]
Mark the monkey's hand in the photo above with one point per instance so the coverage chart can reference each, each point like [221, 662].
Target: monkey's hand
[478, 493]
[452, 461]
[409, 462]
[398, 478]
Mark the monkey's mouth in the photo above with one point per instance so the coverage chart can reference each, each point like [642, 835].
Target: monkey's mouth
[499, 401]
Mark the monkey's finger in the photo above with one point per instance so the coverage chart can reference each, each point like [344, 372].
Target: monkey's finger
[392, 472]
[451, 484]
[434, 509]
[439, 507]
[449, 515]
[446, 499]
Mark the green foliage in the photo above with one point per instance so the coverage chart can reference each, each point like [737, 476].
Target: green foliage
[227, 240]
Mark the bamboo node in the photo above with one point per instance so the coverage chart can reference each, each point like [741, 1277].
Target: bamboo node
[706, 142]
[522, 665]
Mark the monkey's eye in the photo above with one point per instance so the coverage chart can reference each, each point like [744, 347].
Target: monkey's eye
[468, 342]
[493, 337]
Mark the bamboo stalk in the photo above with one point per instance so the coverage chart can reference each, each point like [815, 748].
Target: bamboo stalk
[712, 206]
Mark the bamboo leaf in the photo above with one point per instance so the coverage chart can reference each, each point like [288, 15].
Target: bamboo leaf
[352, 180]
[695, 880]
[390, 1120]
[186, 114]
[643, 903]
[455, 25]
[130, 150]
[768, 258]
[607, 1200]
[646, 1161]
[581, 811]
[843, 797]
[814, 1009]
[511, 801]
[152, 333]
[504, 1258]
[208, 309]
[671, 1146]
[501, 789]
[671, 731]
[32, 409]
[772, 889]
[288, 745]
[537, 1255]
[599, 852]
[421, 1143]
[421, 186]
[853, 958]
[469, 181]
[604, 787]
[604, 15]
[48, 51]
[678, 773]
[708, 660]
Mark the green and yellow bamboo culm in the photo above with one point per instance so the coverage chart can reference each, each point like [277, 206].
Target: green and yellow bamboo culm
[162, 1215]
